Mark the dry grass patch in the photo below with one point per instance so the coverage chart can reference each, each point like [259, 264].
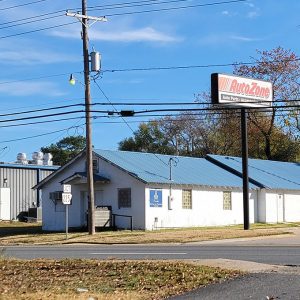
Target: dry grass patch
[34, 235]
[58, 279]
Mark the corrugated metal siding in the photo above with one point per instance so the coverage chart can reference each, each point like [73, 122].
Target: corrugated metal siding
[20, 181]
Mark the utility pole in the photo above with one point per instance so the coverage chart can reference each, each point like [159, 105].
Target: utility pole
[83, 18]
[88, 126]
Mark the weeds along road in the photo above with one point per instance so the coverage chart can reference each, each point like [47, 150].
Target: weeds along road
[268, 254]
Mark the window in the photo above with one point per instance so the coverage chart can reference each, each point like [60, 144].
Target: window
[95, 166]
[186, 199]
[227, 204]
[124, 197]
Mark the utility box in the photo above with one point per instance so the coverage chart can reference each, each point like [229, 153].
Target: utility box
[35, 213]
[103, 216]
[5, 204]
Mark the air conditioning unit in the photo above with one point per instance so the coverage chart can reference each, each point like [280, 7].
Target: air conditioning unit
[56, 196]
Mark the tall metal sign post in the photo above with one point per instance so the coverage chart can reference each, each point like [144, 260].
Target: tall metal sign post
[240, 92]
[66, 198]
[84, 19]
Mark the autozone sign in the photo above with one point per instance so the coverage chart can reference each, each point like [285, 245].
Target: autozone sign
[240, 91]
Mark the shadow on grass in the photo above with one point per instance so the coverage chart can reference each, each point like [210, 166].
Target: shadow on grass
[27, 229]
[12, 231]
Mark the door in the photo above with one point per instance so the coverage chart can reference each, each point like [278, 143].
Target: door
[5, 204]
[280, 209]
[83, 208]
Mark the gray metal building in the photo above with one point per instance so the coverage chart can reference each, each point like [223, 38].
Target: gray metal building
[19, 179]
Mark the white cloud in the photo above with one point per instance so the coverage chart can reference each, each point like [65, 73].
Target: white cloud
[29, 56]
[30, 88]
[243, 38]
[228, 13]
[146, 34]
[216, 39]
[253, 14]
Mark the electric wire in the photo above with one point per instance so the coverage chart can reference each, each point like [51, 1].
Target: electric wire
[31, 21]
[153, 69]
[124, 119]
[126, 13]
[37, 78]
[35, 136]
[21, 5]
[37, 30]
[171, 8]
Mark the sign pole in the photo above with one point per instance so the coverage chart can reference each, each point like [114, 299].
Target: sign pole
[67, 220]
[245, 168]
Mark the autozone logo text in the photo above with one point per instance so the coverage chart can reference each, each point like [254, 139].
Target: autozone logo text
[247, 88]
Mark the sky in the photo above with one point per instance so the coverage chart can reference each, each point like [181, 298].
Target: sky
[198, 34]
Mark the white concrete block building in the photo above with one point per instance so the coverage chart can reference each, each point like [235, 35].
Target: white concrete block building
[137, 188]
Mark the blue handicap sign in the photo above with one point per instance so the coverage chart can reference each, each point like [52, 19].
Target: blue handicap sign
[155, 198]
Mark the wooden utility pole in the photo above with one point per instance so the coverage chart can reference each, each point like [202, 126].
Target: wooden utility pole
[88, 126]
[84, 19]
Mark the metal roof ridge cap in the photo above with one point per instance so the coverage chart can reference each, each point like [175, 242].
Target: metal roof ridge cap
[232, 170]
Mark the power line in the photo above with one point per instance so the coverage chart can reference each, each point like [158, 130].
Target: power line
[37, 78]
[37, 30]
[33, 17]
[31, 21]
[172, 8]
[41, 109]
[50, 115]
[126, 13]
[38, 135]
[24, 4]
[154, 69]
[133, 4]
[195, 66]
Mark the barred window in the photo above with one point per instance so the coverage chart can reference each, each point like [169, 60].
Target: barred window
[124, 197]
[227, 204]
[186, 199]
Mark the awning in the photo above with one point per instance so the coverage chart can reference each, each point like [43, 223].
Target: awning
[81, 178]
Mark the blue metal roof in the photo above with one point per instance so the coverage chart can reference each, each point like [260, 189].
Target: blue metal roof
[154, 168]
[35, 167]
[271, 174]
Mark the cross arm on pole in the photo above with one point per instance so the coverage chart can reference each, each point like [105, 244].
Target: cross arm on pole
[80, 17]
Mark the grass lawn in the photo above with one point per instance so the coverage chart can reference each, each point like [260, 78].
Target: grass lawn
[15, 233]
[81, 279]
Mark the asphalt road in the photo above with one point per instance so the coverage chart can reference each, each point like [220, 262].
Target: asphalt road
[283, 283]
[271, 254]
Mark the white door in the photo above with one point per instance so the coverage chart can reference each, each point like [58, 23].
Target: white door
[83, 208]
[5, 204]
[280, 209]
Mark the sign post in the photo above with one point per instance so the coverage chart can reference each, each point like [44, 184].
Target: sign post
[66, 198]
[240, 92]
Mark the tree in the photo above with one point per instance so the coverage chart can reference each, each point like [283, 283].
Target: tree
[65, 149]
[281, 67]
[273, 134]
[148, 138]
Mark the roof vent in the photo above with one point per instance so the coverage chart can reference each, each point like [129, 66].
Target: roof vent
[22, 159]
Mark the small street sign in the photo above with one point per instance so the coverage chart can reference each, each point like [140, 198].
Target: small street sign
[66, 188]
[66, 198]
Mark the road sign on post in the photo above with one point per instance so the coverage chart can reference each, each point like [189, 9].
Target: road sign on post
[67, 188]
[66, 198]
